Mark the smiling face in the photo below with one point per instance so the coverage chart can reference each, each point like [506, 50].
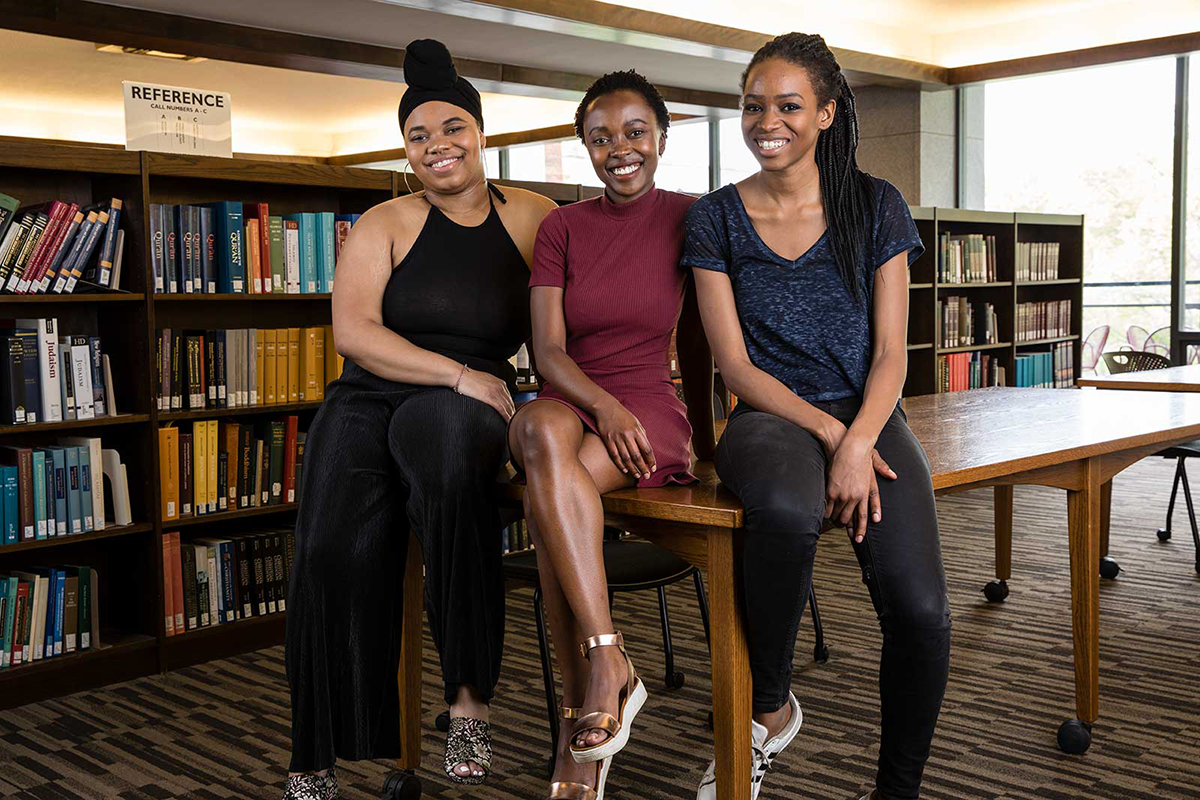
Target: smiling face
[781, 114]
[444, 146]
[623, 140]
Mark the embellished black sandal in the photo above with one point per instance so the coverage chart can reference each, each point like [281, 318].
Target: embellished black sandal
[468, 740]
[312, 787]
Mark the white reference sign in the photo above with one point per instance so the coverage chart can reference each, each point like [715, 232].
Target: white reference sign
[175, 119]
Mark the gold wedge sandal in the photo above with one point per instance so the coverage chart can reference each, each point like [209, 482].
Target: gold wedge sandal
[567, 790]
[631, 699]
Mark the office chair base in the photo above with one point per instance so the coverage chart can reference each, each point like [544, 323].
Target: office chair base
[442, 723]
[401, 785]
[996, 591]
[821, 654]
[1164, 534]
[1075, 737]
[675, 680]
[1109, 568]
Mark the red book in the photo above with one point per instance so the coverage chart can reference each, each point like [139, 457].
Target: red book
[56, 211]
[176, 580]
[342, 230]
[19, 622]
[289, 459]
[49, 247]
[168, 587]
[260, 279]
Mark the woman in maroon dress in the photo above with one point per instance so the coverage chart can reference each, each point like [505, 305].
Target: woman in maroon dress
[607, 290]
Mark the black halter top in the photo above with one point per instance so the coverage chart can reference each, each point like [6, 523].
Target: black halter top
[462, 292]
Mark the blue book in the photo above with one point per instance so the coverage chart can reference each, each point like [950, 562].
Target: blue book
[231, 250]
[3, 619]
[9, 508]
[51, 607]
[60, 594]
[170, 248]
[183, 249]
[85, 487]
[39, 493]
[58, 459]
[325, 251]
[51, 519]
[74, 500]
[208, 250]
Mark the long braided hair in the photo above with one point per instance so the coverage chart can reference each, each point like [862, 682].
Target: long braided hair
[847, 192]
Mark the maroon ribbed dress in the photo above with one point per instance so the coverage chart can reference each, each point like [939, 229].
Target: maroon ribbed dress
[618, 265]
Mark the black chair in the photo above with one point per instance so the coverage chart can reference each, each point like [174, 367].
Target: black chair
[631, 566]
[1136, 361]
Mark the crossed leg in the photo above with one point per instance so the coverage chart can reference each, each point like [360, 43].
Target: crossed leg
[567, 468]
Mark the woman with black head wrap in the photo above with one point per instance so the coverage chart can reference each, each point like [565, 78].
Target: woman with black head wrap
[429, 305]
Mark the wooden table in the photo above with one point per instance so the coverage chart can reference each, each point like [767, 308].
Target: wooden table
[1168, 379]
[1067, 439]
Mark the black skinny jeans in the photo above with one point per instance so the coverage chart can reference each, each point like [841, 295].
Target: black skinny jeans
[382, 458]
[778, 471]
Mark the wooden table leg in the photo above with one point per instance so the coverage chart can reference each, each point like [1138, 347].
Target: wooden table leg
[730, 666]
[409, 675]
[1083, 511]
[997, 590]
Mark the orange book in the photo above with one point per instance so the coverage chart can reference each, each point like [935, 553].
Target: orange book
[319, 361]
[176, 580]
[293, 365]
[267, 336]
[333, 359]
[214, 491]
[230, 435]
[254, 246]
[168, 472]
[308, 364]
[168, 590]
[281, 365]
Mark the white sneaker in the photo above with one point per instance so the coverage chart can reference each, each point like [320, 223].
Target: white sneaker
[763, 753]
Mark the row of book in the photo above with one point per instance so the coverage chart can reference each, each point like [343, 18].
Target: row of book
[958, 372]
[217, 581]
[47, 612]
[49, 376]
[967, 258]
[1052, 369]
[210, 466]
[1044, 319]
[234, 368]
[515, 537]
[59, 490]
[230, 247]
[53, 247]
[1037, 261]
[963, 323]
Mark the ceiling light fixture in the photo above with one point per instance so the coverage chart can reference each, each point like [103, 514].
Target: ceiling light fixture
[145, 51]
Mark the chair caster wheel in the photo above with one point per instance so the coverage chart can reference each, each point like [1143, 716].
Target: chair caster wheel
[675, 680]
[1109, 568]
[710, 721]
[1164, 534]
[550, 766]
[996, 591]
[401, 786]
[443, 722]
[1075, 737]
[821, 654]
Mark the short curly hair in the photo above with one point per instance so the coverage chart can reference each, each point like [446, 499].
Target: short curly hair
[615, 82]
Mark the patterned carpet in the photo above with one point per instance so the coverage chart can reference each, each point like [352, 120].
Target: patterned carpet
[221, 730]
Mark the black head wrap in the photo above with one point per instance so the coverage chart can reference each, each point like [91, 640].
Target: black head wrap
[430, 74]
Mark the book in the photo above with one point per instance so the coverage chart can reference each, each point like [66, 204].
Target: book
[291, 254]
[156, 247]
[177, 581]
[90, 468]
[231, 265]
[22, 459]
[12, 380]
[47, 357]
[75, 511]
[203, 592]
[8, 211]
[289, 458]
[109, 247]
[168, 460]
[191, 601]
[9, 506]
[168, 594]
[208, 250]
[81, 373]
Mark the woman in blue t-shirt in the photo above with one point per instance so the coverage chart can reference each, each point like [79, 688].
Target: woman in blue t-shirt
[801, 273]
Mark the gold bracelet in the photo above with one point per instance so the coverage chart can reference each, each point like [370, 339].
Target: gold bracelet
[462, 372]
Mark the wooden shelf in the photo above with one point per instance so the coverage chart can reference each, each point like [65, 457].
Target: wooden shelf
[283, 172]
[53, 299]
[237, 411]
[67, 157]
[205, 297]
[973, 347]
[55, 541]
[988, 285]
[1051, 340]
[920, 286]
[1055, 282]
[121, 656]
[222, 516]
[222, 641]
[74, 424]
[920, 346]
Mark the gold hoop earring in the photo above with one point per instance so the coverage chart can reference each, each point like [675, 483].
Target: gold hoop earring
[404, 172]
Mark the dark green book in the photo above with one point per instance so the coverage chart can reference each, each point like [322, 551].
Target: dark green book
[278, 434]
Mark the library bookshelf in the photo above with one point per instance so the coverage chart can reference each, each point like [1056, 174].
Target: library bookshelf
[129, 558]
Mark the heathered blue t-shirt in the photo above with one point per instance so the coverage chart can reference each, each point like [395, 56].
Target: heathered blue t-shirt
[801, 324]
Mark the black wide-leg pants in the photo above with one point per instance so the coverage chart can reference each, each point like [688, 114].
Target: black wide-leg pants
[382, 457]
[778, 470]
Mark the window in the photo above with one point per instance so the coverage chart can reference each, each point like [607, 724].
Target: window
[683, 167]
[564, 161]
[737, 162]
[1060, 143]
[1191, 260]
[491, 164]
